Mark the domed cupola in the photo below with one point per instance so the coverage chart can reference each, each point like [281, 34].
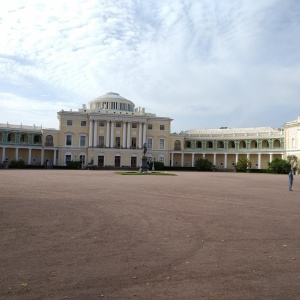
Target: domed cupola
[112, 101]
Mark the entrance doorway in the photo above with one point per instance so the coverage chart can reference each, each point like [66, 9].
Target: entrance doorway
[133, 162]
[100, 161]
[117, 161]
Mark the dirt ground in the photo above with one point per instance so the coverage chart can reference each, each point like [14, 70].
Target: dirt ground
[95, 234]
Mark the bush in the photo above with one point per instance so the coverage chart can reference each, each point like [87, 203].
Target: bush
[158, 165]
[73, 164]
[17, 164]
[279, 166]
[203, 164]
[243, 165]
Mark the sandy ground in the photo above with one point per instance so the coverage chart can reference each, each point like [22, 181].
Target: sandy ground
[96, 234]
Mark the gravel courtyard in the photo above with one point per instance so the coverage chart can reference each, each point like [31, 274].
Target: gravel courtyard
[98, 235]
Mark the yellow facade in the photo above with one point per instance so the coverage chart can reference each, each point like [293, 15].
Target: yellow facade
[111, 133]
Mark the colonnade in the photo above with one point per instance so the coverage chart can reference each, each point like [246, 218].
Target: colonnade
[29, 157]
[110, 133]
[225, 157]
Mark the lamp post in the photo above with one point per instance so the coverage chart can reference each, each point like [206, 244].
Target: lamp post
[153, 168]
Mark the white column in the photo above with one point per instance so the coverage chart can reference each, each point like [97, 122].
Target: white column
[54, 158]
[3, 154]
[236, 159]
[128, 134]
[29, 156]
[182, 159]
[42, 157]
[144, 134]
[112, 134]
[172, 159]
[225, 160]
[124, 135]
[91, 134]
[248, 156]
[215, 159]
[107, 133]
[193, 159]
[140, 135]
[259, 161]
[17, 154]
[203, 155]
[271, 157]
[95, 133]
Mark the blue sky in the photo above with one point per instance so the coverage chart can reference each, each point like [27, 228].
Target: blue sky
[205, 63]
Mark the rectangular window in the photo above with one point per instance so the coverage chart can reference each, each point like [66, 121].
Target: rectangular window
[101, 141]
[68, 158]
[69, 140]
[134, 125]
[149, 143]
[161, 127]
[83, 123]
[161, 143]
[82, 159]
[82, 140]
[118, 124]
[118, 142]
[133, 143]
[161, 159]
[69, 122]
[101, 124]
[150, 126]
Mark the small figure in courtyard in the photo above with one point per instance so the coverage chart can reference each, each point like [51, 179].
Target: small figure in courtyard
[291, 178]
[144, 149]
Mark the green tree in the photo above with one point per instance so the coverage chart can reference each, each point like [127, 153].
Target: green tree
[279, 166]
[203, 164]
[293, 161]
[17, 164]
[243, 165]
[158, 165]
[73, 164]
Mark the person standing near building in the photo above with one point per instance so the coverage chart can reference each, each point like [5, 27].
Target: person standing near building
[291, 178]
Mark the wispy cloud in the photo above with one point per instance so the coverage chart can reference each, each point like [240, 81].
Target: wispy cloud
[203, 63]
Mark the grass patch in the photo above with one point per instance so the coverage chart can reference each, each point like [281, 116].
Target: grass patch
[145, 173]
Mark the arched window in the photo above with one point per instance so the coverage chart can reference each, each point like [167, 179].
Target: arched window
[49, 140]
[220, 144]
[209, 145]
[199, 144]
[177, 145]
[242, 144]
[188, 144]
[253, 144]
[265, 144]
[231, 144]
[276, 144]
[37, 139]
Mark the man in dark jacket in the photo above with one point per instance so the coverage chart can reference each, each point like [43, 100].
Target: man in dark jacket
[291, 178]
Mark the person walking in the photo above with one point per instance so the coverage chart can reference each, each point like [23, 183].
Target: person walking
[291, 178]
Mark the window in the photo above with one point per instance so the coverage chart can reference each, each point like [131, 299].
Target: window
[150, 143]
[134, 125]
[49, 140]
[82, 159]
[118, 142]
[150, 126]
[133, 143]
[82, 140]
[161, 159]
[68, 158]
[188, 144]
[101, 141]
[198, 145]
[37, 139]
[69, 122]
[83, 123]
[177, 145]
[101, 124]
[69, 140]
[118, 124]
[161, 143]
[161, 127]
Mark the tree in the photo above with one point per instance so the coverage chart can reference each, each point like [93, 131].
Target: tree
[243, 165]
[293, 161]
[17, 164]
[279, 166]
[203, 164]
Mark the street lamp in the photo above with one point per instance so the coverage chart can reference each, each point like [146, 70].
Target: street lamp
[153, 168]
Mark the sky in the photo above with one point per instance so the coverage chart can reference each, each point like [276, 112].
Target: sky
[205, 63]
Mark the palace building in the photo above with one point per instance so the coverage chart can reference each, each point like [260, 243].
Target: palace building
[112, 131]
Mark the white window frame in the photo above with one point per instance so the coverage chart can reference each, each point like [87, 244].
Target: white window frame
[82, 136]
[67, 154]
[150, 139]
[164, 143]
[71, 135]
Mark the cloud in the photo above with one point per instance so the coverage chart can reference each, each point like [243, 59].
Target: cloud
[198, 62]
